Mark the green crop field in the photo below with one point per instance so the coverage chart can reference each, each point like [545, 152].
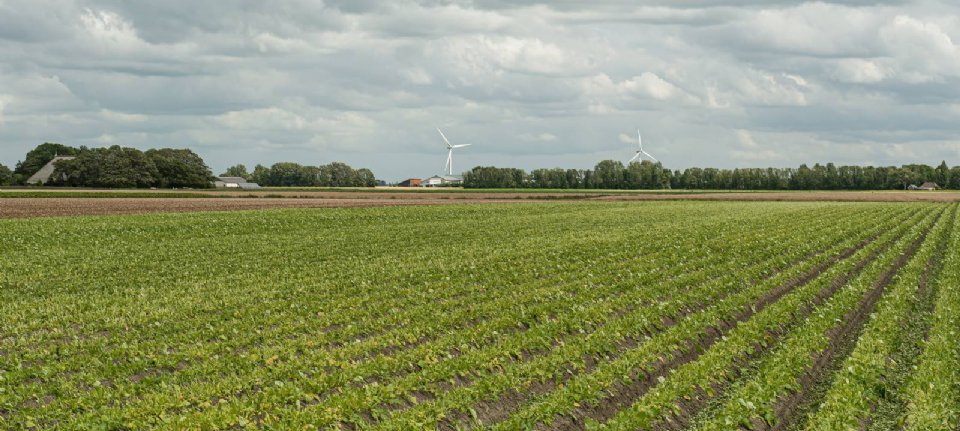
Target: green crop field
[568, 316]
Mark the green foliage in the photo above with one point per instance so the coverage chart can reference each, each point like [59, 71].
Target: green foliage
[611, 174]
[113, 167]
[179, 169]
[287, 174]
[118, 167]
[6, 176]
[39, 157]
[420, 317]
[238, 170]
[862, 378]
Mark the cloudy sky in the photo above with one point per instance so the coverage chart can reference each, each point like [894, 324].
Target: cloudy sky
[531, 84]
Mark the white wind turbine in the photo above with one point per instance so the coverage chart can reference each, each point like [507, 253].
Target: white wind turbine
[450, 147]
[640, 152]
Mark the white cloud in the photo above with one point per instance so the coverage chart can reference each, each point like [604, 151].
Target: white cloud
[417, 75]
[270, 43]
[763, 88]
[475, 59]
[110, 30]
[752, 152]
[649, 84]
[813, 28]
[540, 137]
[4, 101]
[122, 117]
[923, 50]
[264, 118]
[856, 70]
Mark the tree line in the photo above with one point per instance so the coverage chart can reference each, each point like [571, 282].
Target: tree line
[612, 174]
[116, 167]
[120, 167]
[287, 174]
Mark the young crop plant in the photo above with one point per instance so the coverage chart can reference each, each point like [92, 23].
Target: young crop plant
[536, 315]
[933, 393]
[861, 380]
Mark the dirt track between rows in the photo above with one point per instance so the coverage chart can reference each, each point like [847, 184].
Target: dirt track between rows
[15, 207]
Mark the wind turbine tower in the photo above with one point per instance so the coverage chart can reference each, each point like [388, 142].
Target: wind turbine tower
[640, 152]
[450, 147]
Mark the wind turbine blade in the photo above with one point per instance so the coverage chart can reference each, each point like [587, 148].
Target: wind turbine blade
[444, 137]
[462, 145]
[648, 155]
[635, 157]
[639, 140]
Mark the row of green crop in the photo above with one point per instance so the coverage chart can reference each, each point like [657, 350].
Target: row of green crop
[779, 372]
[860, 382]
[715, 366]
[589, 388]
[139, 327]
[164, 340]
[334, 381]
[566, 322]
[607, 339]
[934, 388]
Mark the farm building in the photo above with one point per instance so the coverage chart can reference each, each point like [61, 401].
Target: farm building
[925, 186]
[412, 182]
[235, 183]
[443, 180]
[43, 175]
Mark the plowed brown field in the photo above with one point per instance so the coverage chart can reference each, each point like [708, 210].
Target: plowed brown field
[15, 207]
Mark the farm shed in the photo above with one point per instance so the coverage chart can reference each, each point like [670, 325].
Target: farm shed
[443, 180]
[235, 183]
[925, 186]
[43, 175]
[412, 182]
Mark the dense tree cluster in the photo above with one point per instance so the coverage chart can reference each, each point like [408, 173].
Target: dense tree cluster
[818, 177]
[113, 167]
[287, 174]
[6, 175]
[119, 167]
[611, 174]
[608, 174]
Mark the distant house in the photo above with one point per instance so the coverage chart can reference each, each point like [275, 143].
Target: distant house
[443, 180]
[412, 182]
[928, 186]
[43, 175]
[235, 183]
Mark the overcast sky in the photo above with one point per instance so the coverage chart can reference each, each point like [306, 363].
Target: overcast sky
[530, 84]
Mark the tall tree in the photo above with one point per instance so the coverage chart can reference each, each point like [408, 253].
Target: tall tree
[943, 174]
[237, 170]
[260, 175]
[608, 174]
[114, 167]
[180, 168]
[366, 177]
[6, 175]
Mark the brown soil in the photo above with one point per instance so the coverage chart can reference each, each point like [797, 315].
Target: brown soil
[256, 200]
[616, 195]
[827, 196]
[59, 207]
